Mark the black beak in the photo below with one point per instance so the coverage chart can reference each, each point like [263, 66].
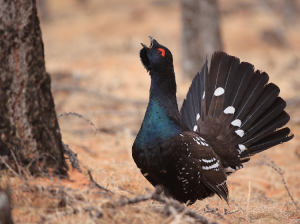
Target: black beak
[151, 44]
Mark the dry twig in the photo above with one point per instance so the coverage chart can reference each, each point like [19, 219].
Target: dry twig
[97, 185]
[158, 196]
[80, 116]
[237, 205]
[278, 170]
[215, 212]
[12, 170]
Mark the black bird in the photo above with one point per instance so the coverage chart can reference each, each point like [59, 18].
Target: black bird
[230, 113]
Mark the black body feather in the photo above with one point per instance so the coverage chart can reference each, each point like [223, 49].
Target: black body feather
[230, 113]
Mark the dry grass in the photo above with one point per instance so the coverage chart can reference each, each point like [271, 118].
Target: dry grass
[92, 54]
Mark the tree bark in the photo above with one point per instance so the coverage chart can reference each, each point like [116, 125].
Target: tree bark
[200, 33]
[28, 125]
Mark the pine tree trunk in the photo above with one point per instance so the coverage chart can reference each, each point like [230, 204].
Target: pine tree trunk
[28, 125]
[200, 33]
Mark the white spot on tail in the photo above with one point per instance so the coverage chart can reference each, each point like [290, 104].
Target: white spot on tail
[240, 133]
[236, 122]
[219, 91]
[197, 117]
[203, 95]
[195, 128]
[242, 147]
[229, 110]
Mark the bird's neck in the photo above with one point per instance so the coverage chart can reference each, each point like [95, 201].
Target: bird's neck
[163, 92]
[162, 119]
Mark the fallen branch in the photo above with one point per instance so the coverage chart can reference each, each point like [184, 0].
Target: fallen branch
[215, 212]
[158, 196]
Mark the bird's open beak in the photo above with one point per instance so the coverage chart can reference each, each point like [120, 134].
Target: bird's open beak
[151, 44]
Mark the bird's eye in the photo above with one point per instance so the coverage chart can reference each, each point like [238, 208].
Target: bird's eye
[161, 52]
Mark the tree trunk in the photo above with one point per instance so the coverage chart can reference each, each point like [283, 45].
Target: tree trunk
[28, 125]
[200, 33]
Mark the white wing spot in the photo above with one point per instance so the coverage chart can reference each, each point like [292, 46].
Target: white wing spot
[229, 110]
[242, 147]
[213, 166]
[240, 133]
[195, 128]
[202, 139]
[236, 122]
[197, 117]
[203, 95]
[208, 160]
[219, 91]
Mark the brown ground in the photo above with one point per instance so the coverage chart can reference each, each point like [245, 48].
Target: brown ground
[92, 54]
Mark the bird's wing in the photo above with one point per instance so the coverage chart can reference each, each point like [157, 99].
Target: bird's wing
[197, 163]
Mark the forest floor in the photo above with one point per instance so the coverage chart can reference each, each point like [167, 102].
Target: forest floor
[92, 53]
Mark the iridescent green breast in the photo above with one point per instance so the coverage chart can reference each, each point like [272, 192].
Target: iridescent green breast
[156, 125]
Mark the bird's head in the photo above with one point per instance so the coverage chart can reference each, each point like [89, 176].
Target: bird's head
[156, 57]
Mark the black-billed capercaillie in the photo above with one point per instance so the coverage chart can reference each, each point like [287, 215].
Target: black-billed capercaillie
[230, 113]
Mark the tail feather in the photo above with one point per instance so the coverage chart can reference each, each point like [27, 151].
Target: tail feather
[271, 113]
[191, 107]
[240, 106]
[220, 67]
[278, 122]
[230, 80]
[259, 80]
[245, 72]
[211, 78]
[278, 137]
[266, 99]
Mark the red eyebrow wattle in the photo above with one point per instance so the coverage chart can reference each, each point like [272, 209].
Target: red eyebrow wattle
[162, 51]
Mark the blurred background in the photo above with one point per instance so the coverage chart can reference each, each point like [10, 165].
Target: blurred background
[92, 53]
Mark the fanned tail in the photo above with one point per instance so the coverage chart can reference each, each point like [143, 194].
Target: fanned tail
[236, 110]
[191, 109]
